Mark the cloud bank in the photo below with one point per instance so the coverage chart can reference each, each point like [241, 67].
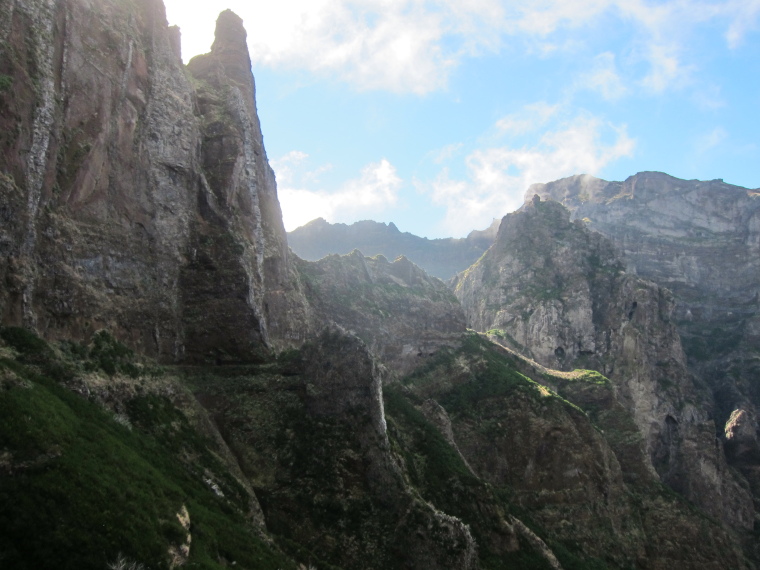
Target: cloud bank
[497, 177]
[372, 192]
[412, 46]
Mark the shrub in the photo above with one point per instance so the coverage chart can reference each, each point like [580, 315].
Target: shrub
[25, 342]
[6, 82]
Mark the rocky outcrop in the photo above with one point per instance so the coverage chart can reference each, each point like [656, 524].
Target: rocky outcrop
[441, 258]
[402, 314]
[135, 196]
[559, 467]
[556, 292]
[114, 212]
[701, 239]
[238, 241]
[315, 443]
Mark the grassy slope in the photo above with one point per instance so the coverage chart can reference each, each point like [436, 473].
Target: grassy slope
[77, 488]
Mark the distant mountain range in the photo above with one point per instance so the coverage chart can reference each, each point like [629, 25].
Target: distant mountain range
[441, 258]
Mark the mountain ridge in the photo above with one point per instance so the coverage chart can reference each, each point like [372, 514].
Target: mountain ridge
[178, 388]
[441, 257]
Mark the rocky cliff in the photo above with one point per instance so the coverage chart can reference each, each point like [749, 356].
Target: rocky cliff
[403, 315]
[175, 391]
[442, 258]
[136, 196]
[701, 239]
[555, 291]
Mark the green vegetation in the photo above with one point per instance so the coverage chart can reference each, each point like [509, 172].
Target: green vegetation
[484, 372]
[440, 475]
[704, 345]
[78, 489]
[475, 384]
[6, 82]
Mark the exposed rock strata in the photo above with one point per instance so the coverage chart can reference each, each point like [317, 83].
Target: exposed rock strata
[701, 239]
[136, 197]
[554, 290]
[114, 213]
[562, 470]
[316, 446]
[402, 314]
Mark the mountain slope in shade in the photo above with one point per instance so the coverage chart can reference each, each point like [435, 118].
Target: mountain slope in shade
[441, 258]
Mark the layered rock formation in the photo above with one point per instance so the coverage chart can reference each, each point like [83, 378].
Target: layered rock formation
[402, 314]
[701, 239]
[555, 291]
[315, 445]
[131, 199]
[442, 258]
[136, 197]
[573, 479]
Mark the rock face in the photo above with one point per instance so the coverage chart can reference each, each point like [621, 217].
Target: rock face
[442, 258]
[555, 291]
[702, 241]
[115, 213]
[315, 444]
[560, 470]
[402, 314]
[135, 196]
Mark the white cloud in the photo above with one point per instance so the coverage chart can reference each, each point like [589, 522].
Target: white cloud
[446, 153]
[667, 70]
[375, 190]
[709, 97]
[745, 14]
[604, 78]
[498, 177]
[711, 140]
[532, 117]
[413, 45]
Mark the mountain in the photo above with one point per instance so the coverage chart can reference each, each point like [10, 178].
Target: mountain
[118, 209]
[556, 291]
[441, 258]
[701, 239]
[178, 389]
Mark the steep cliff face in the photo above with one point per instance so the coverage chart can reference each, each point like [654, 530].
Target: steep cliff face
[111, 198]
[441, 258]
[555, 291]
[135, 196]
[403, 314]
[576, 473]
[702, 241]
[315, 445]
[240, 217]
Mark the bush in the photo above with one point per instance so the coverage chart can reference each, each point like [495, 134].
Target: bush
[25, 342]
[6, 82]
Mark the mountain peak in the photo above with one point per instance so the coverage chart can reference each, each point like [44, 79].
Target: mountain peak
[230, 34]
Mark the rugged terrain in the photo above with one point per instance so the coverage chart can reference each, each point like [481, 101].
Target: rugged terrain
[178, 389]
[701, 240]
[136, 192]
[403, 315]
[556, 291]
[441, 258]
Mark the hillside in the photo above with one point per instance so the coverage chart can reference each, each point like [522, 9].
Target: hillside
[178, 389]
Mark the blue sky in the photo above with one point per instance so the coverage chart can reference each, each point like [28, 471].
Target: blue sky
[438, 114]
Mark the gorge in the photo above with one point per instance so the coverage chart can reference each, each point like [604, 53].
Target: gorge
[178, 388]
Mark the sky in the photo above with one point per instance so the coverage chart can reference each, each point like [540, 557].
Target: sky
[438, 115]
